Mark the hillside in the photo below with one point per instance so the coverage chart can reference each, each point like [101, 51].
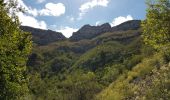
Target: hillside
[149, 79]
[43, 37]
[63, 64]
[97, 65]
[77, 48]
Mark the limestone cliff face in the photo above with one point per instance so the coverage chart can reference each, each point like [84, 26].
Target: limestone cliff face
[89, 32]
[129, 25]
[43, 37]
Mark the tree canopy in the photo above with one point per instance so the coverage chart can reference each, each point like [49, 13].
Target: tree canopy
[15, 45]
[156, 27]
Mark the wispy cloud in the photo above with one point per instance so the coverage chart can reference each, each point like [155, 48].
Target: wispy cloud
[41, 1]
[29, 18]
[70, 18]
[31, 21]
[98, 23]
[120, 19]
[29, 10]
[84, 8]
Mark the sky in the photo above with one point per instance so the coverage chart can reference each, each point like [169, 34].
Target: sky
[67, 16]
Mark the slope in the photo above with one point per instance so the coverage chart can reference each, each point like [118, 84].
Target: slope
[148, 80]
[78, 70]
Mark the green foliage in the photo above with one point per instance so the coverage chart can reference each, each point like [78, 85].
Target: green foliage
[15, 45]
[100, 56]
[64, 75]
[112, 73]
[143, 81]
[76, 86]
[156, 26]
[166, 53]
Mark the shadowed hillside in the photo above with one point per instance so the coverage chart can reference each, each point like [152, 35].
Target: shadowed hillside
[43, 37]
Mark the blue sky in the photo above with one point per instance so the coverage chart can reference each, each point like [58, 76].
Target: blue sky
[67, 16]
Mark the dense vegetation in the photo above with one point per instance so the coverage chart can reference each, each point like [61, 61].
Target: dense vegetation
[15, 46]
[156, 26]
[65, 74]
[126, 62]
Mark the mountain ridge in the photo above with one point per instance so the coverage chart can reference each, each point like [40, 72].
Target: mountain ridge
[44, 37]
[89, 32]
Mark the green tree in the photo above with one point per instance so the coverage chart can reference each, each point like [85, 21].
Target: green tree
[156, 27]
[15, 45]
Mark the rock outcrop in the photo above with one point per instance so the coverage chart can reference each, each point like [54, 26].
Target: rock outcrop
[43, 37]
[89, 32]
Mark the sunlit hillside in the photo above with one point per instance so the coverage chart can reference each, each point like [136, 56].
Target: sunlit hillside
[125, 59]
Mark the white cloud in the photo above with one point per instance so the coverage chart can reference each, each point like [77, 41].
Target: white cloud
[120, 20]
[41, 1]
[67, 31]
[22, 4]
[28, 19]
[84, 8]
[98, 23]
[33, 12]
[29, 10]
[52, 9]
[88, 5]
[31, 21]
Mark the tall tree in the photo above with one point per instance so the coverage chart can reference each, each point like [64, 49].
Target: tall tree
[15, 45]
[156, 27]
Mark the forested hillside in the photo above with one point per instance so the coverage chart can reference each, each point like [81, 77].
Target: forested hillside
[78, 70]
[130, 61]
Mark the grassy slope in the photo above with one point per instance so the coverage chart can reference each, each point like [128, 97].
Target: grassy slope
[148, 80]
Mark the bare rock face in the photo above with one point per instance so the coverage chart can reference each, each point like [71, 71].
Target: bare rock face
[89, 32]
[43, 37]
[129, 25]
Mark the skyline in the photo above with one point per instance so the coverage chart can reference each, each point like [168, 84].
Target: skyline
[68, 16]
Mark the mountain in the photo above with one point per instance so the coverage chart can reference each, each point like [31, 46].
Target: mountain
[98, 63]
[129, 25]
[76, 49]
[84, 65]
[89, 32]
[43, 37]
